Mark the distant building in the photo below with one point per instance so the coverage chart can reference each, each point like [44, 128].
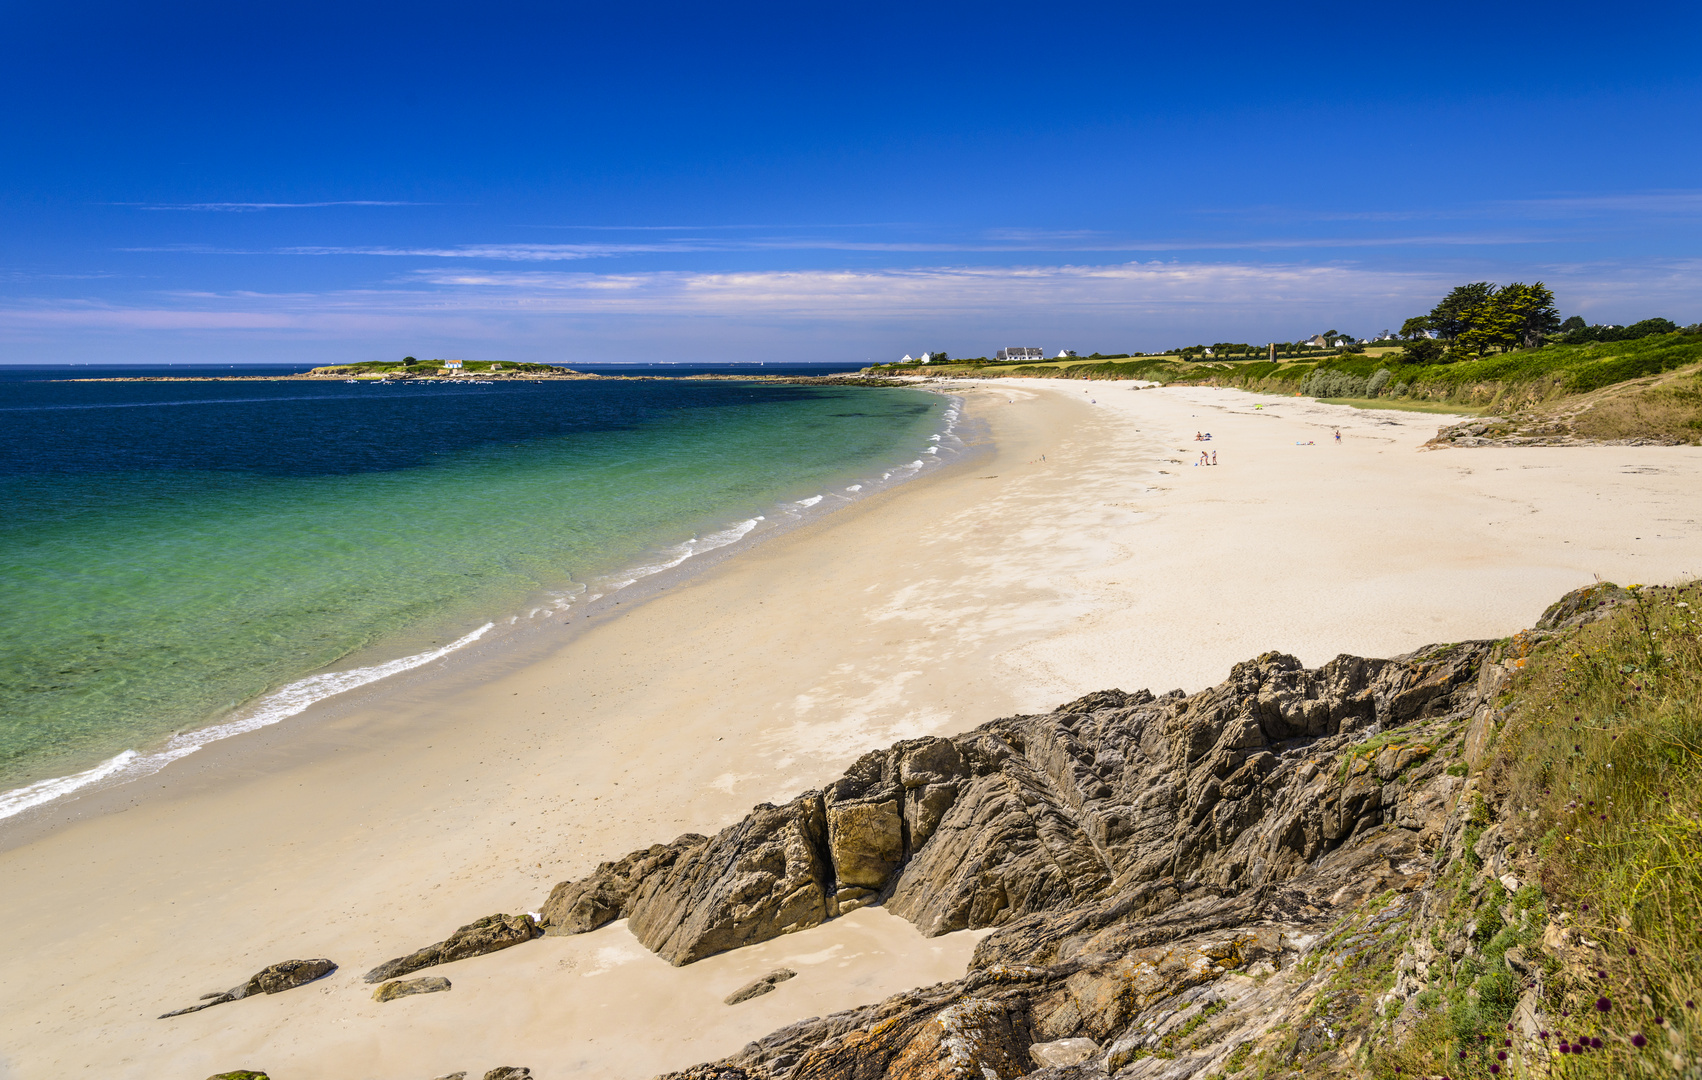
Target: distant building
[1318, 340]
[1208, 350]
[452, 365]
[1020, 354]
[908, 359]
[927, 358]
[1064, 354]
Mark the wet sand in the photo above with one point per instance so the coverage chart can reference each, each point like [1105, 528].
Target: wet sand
[1084, 551]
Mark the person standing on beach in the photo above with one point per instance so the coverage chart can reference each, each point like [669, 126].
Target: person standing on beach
[1338, 432]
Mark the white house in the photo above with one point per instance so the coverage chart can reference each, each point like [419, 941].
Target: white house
[1020, 354]
[927, 358]
[908, 359]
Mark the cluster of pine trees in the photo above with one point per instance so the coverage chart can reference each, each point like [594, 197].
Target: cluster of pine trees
[1482, 317]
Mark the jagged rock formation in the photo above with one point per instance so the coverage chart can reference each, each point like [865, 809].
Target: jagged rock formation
[271, 980]
[487, 935]
[1112, 796]
[1169, 876]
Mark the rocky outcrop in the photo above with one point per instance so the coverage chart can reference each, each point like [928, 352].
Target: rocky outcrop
[1272, 867]
[431, 984]
[1169, 877]
[240, 1074]
[272, 980]
[509, 1072]
[487, 935]
[759, 987]
[1128, 797]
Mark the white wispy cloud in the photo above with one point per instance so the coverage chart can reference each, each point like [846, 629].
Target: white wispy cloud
[1008, 242]
[251, 207]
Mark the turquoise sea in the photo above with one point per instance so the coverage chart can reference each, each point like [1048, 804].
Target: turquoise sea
[184, 560]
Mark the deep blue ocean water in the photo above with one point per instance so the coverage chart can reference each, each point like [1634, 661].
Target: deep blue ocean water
[181, 556]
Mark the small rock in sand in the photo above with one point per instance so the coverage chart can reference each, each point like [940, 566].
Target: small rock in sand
[509, 1072]
[240, 1074]
[390, 991]
[462, 1075]
[1063, 1052]
[760, 986]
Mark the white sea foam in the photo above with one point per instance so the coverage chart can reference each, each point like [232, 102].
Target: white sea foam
[809, 502]
[855, 487]
[281, 704]
[697, 545]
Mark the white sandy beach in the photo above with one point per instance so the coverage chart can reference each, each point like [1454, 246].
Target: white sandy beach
[1086, 551]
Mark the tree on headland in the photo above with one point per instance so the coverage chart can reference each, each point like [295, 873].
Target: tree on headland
[1454, 314]
[1481, 317]
[1514, 317]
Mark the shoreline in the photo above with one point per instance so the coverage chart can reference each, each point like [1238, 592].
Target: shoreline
[496, 644]
[1084, 553]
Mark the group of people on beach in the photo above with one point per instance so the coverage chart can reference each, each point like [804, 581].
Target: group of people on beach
[1207, 459]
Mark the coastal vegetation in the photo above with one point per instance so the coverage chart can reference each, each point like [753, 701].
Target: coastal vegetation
[1596, 779]
[1482, 349]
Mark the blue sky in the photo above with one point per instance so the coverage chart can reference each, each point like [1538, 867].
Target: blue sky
[316, 182]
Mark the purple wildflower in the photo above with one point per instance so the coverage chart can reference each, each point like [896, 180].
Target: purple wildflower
[1595, 1044]
[1603, 1004]
[1638, 1041]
